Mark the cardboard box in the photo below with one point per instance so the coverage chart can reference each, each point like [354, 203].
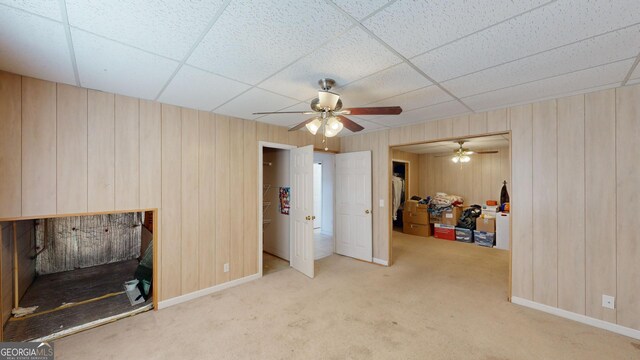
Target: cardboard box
[464, 235]
[416, 229]
[486, 224]
[414, 206]
[451, 217]
[415, 217]
[444, 232]
[483, 238]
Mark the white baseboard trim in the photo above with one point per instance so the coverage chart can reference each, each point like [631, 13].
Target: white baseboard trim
[618, 329]
[210, 290]
[380, 262]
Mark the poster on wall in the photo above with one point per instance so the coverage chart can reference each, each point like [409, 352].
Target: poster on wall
[285, 193]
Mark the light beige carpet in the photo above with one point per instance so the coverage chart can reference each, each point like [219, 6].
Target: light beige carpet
[441, 300]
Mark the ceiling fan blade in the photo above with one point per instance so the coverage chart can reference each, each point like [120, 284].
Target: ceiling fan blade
[284, 112]
[302, 124]
[487, 152]
[350, 124]
[384, 110]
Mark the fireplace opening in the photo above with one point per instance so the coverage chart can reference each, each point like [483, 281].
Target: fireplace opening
[62, 275]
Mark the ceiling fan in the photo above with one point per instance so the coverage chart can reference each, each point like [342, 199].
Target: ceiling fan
[462, 154]
[329, 115]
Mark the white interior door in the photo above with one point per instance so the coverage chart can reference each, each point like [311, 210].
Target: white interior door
[301, 209]
[353, 205]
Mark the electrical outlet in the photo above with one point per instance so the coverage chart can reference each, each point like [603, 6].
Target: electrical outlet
[381, 203]
[608, 302]
[226, 267]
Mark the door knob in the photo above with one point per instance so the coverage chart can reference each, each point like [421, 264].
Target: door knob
[313, 218]
[367, 211]
[308, 218]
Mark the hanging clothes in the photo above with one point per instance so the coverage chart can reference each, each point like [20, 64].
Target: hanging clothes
[397, 184]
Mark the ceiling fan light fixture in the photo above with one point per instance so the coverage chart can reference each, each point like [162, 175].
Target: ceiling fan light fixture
[455, 159]
[313, 126]
[465, 159]
[327, 99]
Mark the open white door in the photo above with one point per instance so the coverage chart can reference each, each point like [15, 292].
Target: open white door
[301, 209]
[353, 205]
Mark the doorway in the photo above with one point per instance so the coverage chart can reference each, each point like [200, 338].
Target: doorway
[456, 200]
[324, 203]
[286, 218]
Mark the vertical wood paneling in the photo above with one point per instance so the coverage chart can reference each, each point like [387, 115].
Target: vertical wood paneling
[628, 206]
[71, 147]
[101, 151]
[250, 190]
[223, 206]
[171, 202]
[150, 154]
[600, 182]
[236, 197]
[497, 121]
[10, 145]
[431, 130]
[206, 201]
[38, 147]
[445, 128]
[478, 123]
[460, 126]
[190, 199]
[522, 197]
[262, 131]
[545, 203]
[395, 136]
[571, 222]
[127, 158]
[381, 248]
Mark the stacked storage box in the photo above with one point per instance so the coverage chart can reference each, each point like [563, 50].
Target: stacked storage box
[444, 232]
[415, 219]
[464, 235]
[485, 233]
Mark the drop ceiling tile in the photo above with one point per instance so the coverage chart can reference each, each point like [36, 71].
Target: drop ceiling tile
[287, 119]
[580, 81]
[46, 8]
[396, 80]
[426, 96]
[433, 112]
[557, 24]
[254, 39]
[413, 27]
[168, 28]
[360, 8]
[38, 47]
[199, 89]
[614, 46]
[350, 57]
[110, 66]
[368, 125]
[254, 100]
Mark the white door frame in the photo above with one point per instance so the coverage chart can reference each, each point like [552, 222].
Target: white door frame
[261, 146]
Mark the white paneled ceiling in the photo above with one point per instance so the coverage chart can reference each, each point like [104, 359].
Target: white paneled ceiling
[236, 57]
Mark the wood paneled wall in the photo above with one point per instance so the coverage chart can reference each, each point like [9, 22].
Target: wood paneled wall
[65, 149]
[25, 241]
[575, 196]
[479, 180]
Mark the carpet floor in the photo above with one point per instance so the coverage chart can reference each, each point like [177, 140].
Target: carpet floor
[440, 300]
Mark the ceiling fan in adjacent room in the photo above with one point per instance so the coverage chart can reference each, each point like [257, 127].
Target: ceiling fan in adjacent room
[463, 155]
[329, 116]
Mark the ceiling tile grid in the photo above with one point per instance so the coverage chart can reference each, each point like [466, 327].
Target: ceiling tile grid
[426, 96]
[254, 100]
[254, 39]
[414, 27]
[200, 90]
[434, 112]
[598, 77]
[46, 8]
[167, 28]
[604, 49]
[635, 76]
[350, 57]
[398, 79]
[287, 120]
[110, 66]
[547, 27]
[34, 46]
[360, 9]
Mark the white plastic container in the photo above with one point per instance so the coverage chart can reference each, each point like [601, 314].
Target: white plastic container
[502, 230]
